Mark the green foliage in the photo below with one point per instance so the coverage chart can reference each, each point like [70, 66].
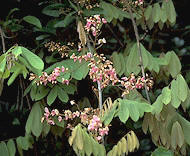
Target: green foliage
[110, 12]
[83, 143]
[162, 115]
[160, 14]
[33, 20]
[132, 109]
[3, 149]
[124, 146]
[11, 147]
[161, 151]
[33, 124]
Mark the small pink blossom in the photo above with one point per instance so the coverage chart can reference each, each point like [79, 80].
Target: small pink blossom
[51, 122]
[104, 20]
[63, 69]
[60, 118]
[98, 138]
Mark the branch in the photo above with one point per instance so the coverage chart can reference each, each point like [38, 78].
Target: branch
[139, 48]
[100, 95]
[2, 39]
[122, 45]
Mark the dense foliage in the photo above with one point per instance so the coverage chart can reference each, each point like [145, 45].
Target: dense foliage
[95, 77]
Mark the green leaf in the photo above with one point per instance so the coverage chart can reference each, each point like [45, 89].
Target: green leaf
[67, 20]
[150, 22]
[3, 149]
[22, 142]
[79, 72]
[163, 13]
[175, 100]
[177, 137]
[107, 118]
[33, 20]
[174, 66]
[2, 63]
[87, 144]
[182, 88]
[73, 6]
[52, 95]
[53, 10]
[135, 109]
[17, 51]
[13, 76]
[116, 62]
[110, 12]
[42, 37]
[41, 92]
[33, 92]
[185, 127]
[133, 61]
[148, 12]
[79, 142]
[123, 65]
[156, 12]
[30, 67]
[123, 112]
[166, 95]
[34, 60]
[11, 147]
[33, 123]
[161, 151]
[157, 105]
[70, 89]
[62, 95]
[171, 11]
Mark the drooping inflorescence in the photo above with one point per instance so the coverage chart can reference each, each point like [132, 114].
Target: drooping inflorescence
[89, 117]
[102, 70]
[52, 78]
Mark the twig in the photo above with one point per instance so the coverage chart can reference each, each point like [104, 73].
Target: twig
[122, 45]
[100, 95]
[27, 99]
[2, 39]
[22, 93]
[139, 48]
[4, 50]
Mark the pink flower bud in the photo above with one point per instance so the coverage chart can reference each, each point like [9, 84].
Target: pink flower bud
[60, 118]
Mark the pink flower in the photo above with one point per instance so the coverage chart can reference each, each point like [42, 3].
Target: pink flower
[46, 110]
[51, 122]
[98, 138]
[94, 33]
[104, 20]
[47, 113]
[103, 131]
[63, 69]
[60, 118]
[91, 127]
[53, 112]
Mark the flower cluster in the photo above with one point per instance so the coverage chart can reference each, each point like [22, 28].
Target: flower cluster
[102, 70]
[52, 78]
[48, 116]
[62, 49]
[139, 2]
[94, 24]
[95, 126]
[86, 57]
[89, 4]
[89, 117]
[131, 82]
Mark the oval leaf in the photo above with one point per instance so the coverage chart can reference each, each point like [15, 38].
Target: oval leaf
[33, 20]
